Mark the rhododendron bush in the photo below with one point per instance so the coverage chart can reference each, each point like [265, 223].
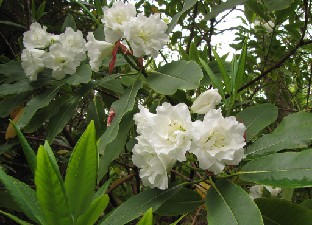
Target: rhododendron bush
[128, 113]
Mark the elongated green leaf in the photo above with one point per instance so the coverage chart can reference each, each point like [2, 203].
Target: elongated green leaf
[289, 170]
[28, 151]
[224, 73]
[14, 218]
[6, 201]
[81, 172]
[187, 5]
[120, 107]
[139, 204]
[24, 196]
[50, 190]
[185, 201]
[36, 103]
[98, 7]
[176, 75]
[147, 218]
[13, 24]
[239, 75]
[222, 7]
[95, 210]
[295, 131]
[82, 76]
[275, 5]
[15, 88]
[69, 22]
[96, 113]
[228, 204]
[40, 10]
[256, 118]
[102, 190]
[9, 104]
[215, 81]
[114, 148]
[282, 212]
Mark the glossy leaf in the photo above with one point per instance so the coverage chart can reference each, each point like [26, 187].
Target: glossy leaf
[139, 204]
[289, 170]
[256, 118]
[295, 131]
[94, 211]
[185, 201]
[228, 204]
[147, 218]
[282, 212]
[50, 189]
[81, 174]
[275, 5]
[28, 151]
[24, 196]
[175, 75]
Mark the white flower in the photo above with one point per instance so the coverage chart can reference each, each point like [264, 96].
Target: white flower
[73, 41]
[146, 35]
[97, 50]
[62, 62]
[36, 37]
[32, 62]
[153, 166]
[217, 141]
[256, 191]
[206, 101]
[168, 130]
[114, 19]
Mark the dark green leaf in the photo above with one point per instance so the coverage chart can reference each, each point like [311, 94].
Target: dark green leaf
[307, 203]
[295, 131]
[69, 22]
[81, 172]
[256, 118]
[176, 75]
[275, 5]
[139, 204]
[15, 88]
[82, 76]
[13, 24]
[98, 7]
[289, 170]
[96, 113]
[229, 204]
[282, 212]
[223, 70]
[10, 104]
[24, 196]
[40, 10]
[185, 201]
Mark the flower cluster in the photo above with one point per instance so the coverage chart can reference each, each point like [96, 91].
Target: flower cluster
[61, 53]
[146, 35]
[165, 138]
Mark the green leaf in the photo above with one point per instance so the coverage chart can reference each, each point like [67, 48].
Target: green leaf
[147, 218]
[289, 170]
[215, 81]
[275, 5]
[36, 103]
[28, 151]
[50, 189]
[222, 7]
[224, 73]
[24, 196]
[102, 190]
[13, 24]
[175, 75]
[139, 204]
[40, 10]
[239, 74]
[14, 218]
[98, 7]
[6, 201]
[33, 10]
[69, 22]
[10, 104]
[295, 131]
[282, 212]
[307, 203]
[96, 112]
[186, 6]
[193, 52]
[82, 76]
[95, 210]
[229, 204]
[81, 172]
[256, 118]
[258, 9]
[185, 201]
[15, 88]
[120, 107]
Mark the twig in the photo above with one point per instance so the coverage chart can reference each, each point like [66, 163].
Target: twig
[119, 182]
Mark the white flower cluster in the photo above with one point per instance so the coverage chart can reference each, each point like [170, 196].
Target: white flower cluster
[146, 35]
[166, 137]
[61, 53]
[256, 191]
